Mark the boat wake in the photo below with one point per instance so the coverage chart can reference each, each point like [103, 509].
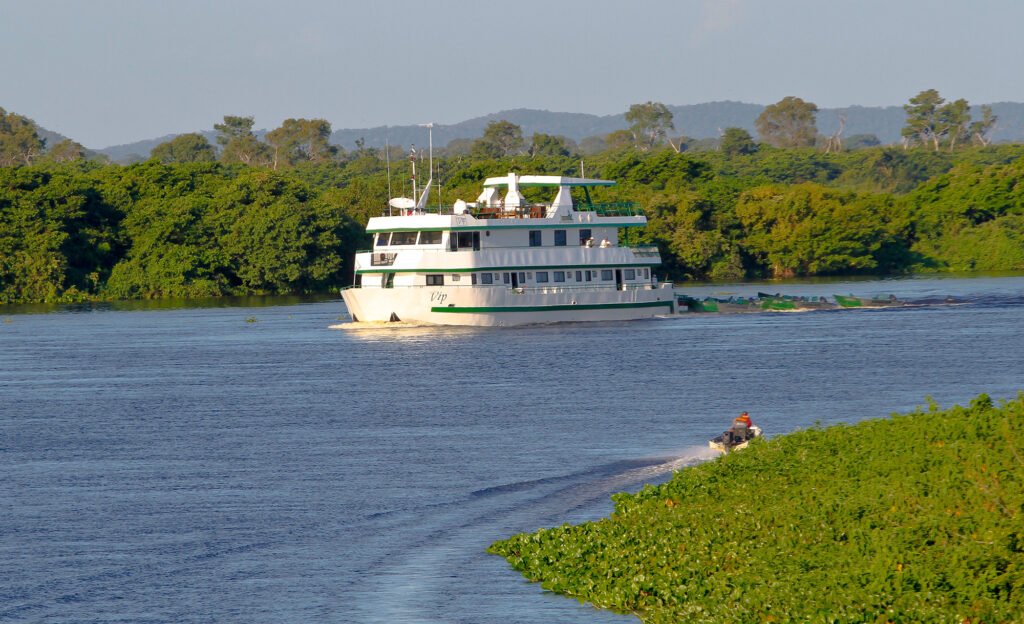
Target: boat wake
[412, 582]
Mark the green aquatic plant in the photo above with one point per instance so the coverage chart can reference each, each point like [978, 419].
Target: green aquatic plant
[913, 518]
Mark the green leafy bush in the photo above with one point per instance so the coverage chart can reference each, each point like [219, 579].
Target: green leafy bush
[915, 518]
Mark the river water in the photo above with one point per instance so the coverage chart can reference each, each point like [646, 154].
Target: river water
[242, 462]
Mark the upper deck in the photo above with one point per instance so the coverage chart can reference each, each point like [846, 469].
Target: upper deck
[494, 209]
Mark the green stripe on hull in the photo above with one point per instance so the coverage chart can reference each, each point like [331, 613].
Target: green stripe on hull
[554, 308]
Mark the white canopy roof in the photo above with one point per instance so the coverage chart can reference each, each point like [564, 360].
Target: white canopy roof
[543, 180]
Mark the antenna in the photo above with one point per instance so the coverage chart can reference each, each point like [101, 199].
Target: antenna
[412, 159]
[387, 156]
[430, 133]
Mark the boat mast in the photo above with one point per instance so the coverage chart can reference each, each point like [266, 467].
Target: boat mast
[412, 159]
[387, 157]
[430, 134]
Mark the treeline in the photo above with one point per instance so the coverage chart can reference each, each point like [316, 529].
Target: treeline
[286, 215]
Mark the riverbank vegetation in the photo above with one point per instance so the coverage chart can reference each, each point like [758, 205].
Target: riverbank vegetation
[284, 214]
[914, 518]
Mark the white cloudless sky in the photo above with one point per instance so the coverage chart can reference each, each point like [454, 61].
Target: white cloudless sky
[105, 72]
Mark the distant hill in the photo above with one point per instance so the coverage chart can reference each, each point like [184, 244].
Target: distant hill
[699, 121]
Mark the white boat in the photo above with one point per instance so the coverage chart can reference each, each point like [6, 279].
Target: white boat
[502, 260]
[726, 443]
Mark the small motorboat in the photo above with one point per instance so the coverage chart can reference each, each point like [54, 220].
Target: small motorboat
[729, 442]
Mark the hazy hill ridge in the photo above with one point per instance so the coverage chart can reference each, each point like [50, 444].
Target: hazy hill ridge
[698, 121]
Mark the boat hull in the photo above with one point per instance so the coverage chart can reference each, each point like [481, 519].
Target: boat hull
[500, 306]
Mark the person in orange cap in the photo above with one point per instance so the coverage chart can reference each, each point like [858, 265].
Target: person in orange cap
[740, 430]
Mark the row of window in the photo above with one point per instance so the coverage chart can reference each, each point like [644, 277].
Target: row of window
[471, 239]
[543, 277]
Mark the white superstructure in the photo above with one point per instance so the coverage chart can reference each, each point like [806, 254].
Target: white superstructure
[505, 261]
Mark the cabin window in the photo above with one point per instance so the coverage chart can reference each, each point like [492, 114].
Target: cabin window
[505, 278]
[542, 276]
[585, 235]
[522, 277]
[579, 276]
[404, 238]
[456, 277]
[647, 274]
[588, 275]
[535, 240]
[630, 274]
[382, 239]
[559, 238]
[606, 275]
[486, 278]
[472, 278]
[466, 240]
[435, 280]
[559, 276]
[430, 238]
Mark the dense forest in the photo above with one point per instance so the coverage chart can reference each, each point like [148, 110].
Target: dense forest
[284, 213]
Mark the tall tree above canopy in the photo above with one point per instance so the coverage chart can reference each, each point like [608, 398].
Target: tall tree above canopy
[301, 140]
[67, 150]
[233, 128]
[924, 121]
[505, 135]
[191, 147]
[19, 141]
[239, 143]
[649, 123]
[790, 122]
[955, 118]
[982, 128]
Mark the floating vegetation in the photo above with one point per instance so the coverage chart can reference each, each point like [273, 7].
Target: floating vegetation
[915, 518]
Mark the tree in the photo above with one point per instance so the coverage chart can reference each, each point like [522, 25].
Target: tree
[301, 139]
[923, 117]
[184, 148]
[239, 144]
[505, 135]
[619, 139]
[980, 130]
[790, 122]
[548, 145]
[737, 142]
[955, 118]
[233, 128]
[67, 150]
[649, 123]
[19, 141]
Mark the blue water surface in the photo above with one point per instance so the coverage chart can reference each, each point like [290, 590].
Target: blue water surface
[236, 462]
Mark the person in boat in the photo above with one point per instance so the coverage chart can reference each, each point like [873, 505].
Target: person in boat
[604, 242]
[739, 432]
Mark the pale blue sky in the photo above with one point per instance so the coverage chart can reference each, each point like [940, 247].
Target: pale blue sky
[106, 72]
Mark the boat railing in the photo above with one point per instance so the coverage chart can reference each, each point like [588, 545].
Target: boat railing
[644, 251]
[382, 258]
[528, 211]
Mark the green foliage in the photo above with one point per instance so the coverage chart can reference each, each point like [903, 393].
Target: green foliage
[185, 148]
[737, 142]
[915, 518]
[74, 229]
[790, 122]
[505, 137]
[649, 124]
[19, 141]
[299, 140]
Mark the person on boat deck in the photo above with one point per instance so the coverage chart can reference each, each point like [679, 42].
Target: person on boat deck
[604, 242]
[740, 429]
